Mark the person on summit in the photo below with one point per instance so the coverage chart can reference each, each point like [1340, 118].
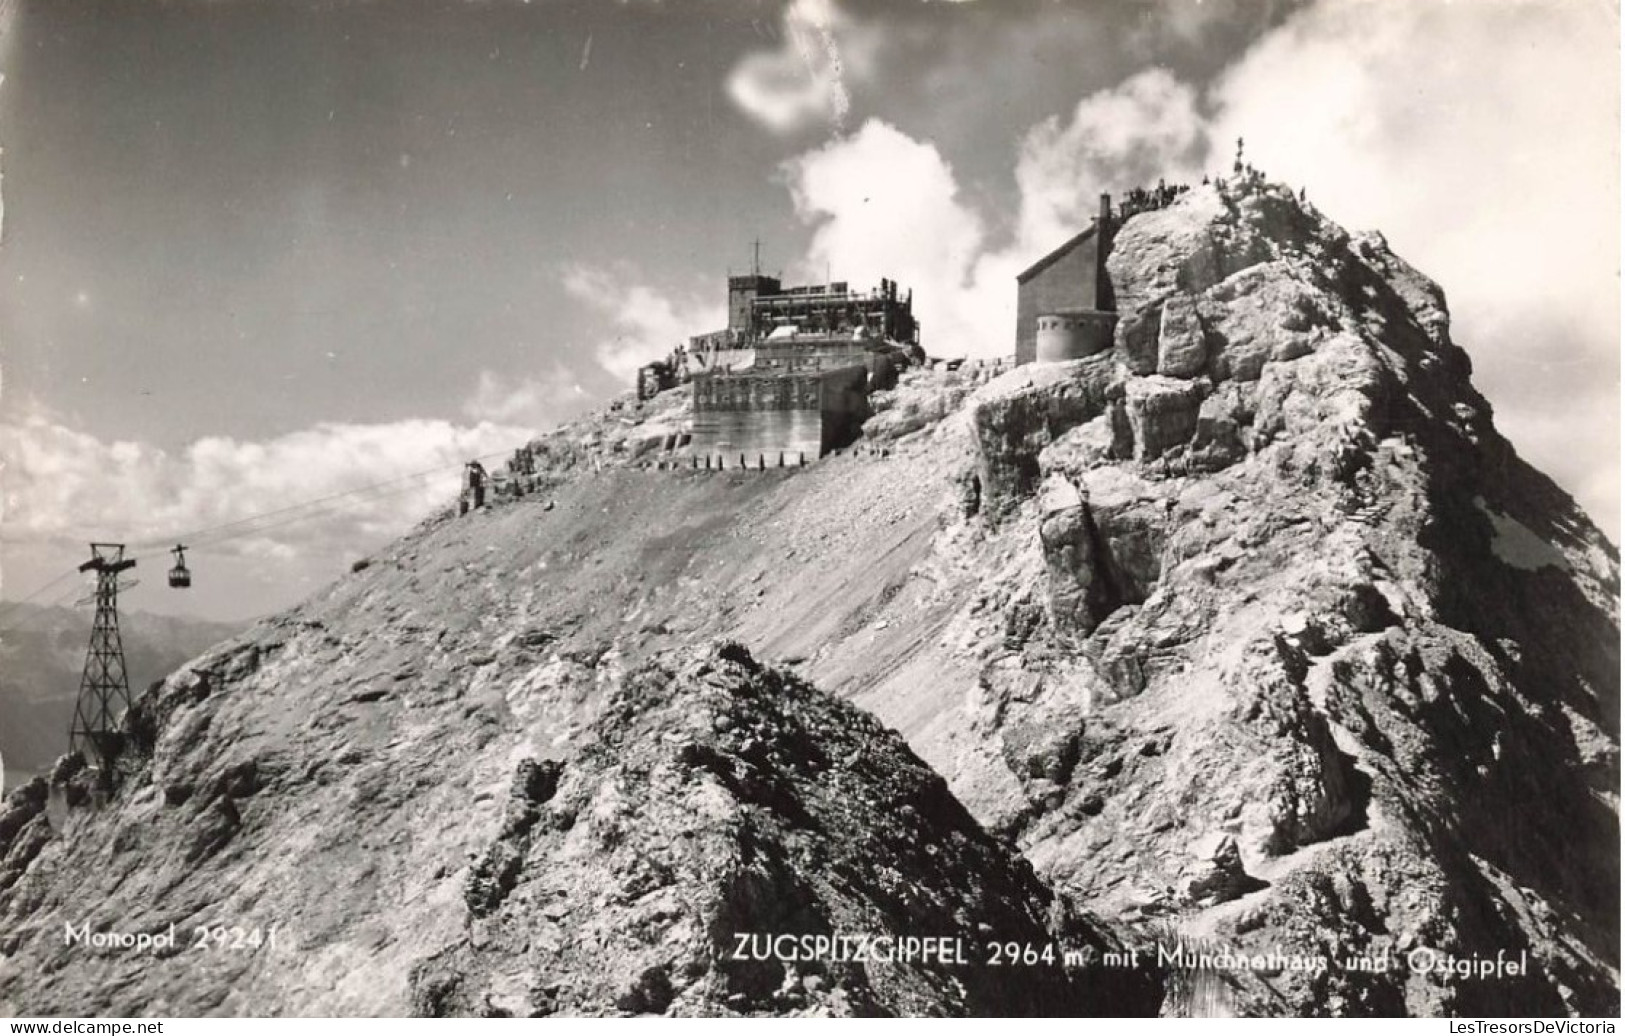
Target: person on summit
[476, 484]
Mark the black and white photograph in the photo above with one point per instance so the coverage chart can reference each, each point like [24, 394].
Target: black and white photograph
[809, 509]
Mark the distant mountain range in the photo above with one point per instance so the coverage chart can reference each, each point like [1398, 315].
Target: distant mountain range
[42, 656]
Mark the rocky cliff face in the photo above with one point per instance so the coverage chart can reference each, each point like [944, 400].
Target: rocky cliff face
[1294, 570]
[1251, 634]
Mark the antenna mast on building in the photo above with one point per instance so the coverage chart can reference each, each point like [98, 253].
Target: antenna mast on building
[756, 257]
[104, 690]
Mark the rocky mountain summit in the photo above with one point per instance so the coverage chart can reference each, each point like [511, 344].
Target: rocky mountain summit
[1350, 666]
[1250, 634]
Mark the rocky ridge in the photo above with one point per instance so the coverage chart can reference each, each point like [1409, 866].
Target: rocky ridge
[717, 800]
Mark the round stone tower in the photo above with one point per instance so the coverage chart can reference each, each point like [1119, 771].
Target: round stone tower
[1071, 334]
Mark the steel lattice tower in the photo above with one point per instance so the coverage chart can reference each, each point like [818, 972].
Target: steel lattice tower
[104, 691]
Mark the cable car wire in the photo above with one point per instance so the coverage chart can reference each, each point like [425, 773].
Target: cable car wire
[22, 624]
[203, 543]
[197, 534]
[9, 606]
[209, 536]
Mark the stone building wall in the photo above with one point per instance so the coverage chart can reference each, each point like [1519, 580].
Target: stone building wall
[763, 413]
[1072, 279]
[1069, 280]
[743, 292]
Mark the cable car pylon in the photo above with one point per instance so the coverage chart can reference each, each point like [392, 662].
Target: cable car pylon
[104, 690]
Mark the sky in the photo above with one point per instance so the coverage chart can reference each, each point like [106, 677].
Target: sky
[262, 252]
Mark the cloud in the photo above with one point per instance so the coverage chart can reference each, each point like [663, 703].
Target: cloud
[645, 322]
[1145, 129]
[804, 82]
[530, 402]
[1188, 21]
[883, 204]
[60, 484]
[1184, 26]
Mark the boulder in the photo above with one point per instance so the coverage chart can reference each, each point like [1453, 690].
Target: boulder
[1216, 441]
[1181, 342]
[1215, 873]
[1162, 413]
[1080, 594]
[1136, 340]
[1014, 417]
[1129, 518]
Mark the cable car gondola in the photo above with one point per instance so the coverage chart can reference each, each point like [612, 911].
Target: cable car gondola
[180, 576]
